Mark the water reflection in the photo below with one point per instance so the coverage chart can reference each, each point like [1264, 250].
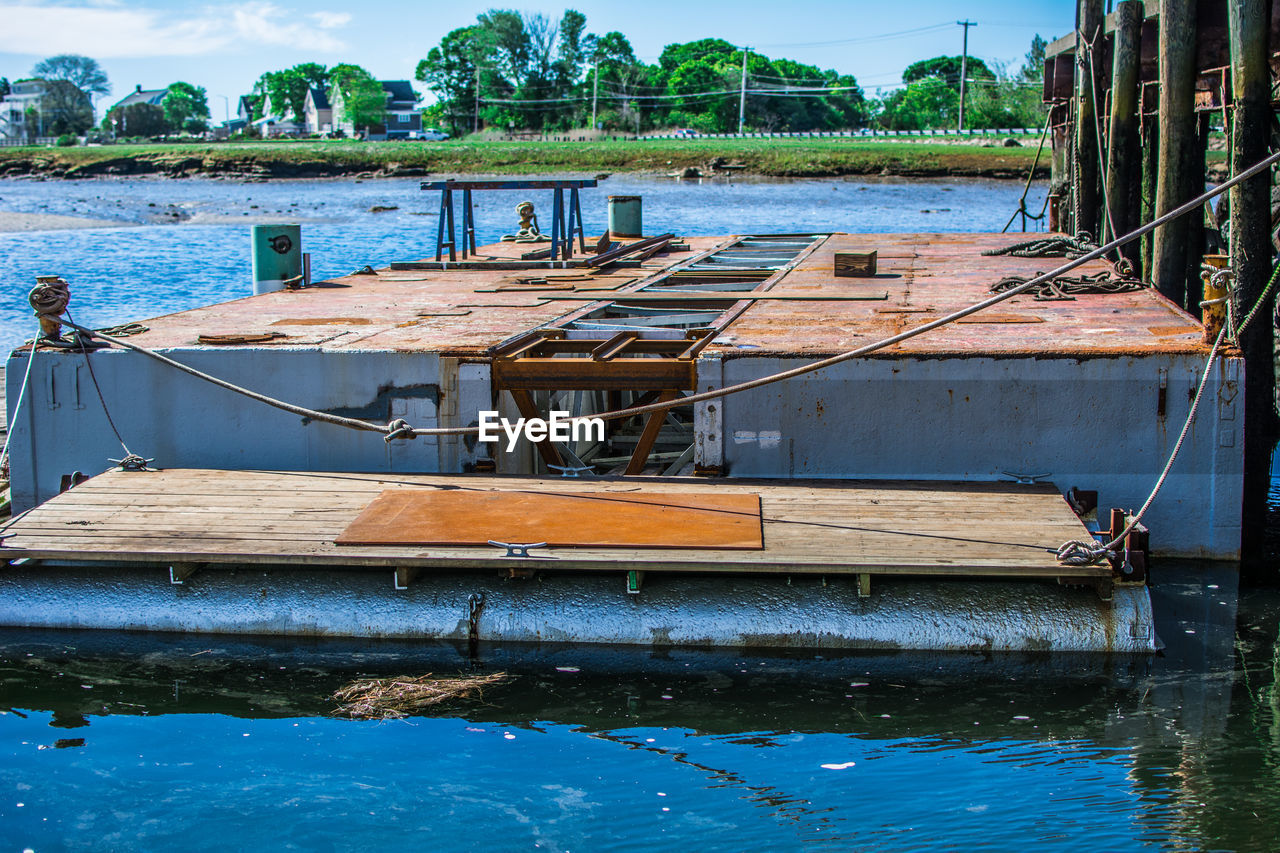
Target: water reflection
[606, 748]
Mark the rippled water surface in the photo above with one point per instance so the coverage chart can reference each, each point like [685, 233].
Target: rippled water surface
[204, 743]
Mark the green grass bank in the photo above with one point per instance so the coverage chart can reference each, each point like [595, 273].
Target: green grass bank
[789, 158]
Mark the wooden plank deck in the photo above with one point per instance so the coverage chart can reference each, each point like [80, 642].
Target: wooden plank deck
[814, 527]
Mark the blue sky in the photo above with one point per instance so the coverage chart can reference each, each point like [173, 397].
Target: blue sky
[225, 46]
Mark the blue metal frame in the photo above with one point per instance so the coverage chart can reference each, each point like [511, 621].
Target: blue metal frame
[563, 227]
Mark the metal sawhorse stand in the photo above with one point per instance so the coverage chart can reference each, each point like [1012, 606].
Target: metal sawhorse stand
[563, 227]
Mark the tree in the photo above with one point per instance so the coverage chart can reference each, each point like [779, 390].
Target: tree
[1005, 102]
[4, 87]
[1033, 69]
[65, 108]
[186, 107]
[287, 89]
[947, 69]
[356, 96]
[80, 71]
[452, 69]
[508, 58]
[927, 103]
[140, 119]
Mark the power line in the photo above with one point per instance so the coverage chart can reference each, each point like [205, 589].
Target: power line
[866, 39]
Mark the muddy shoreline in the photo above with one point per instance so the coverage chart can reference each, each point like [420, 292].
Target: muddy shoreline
[267, 161]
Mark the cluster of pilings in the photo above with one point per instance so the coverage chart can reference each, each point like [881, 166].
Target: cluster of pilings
[1136, 94]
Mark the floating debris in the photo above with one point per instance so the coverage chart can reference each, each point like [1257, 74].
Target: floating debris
[398, 696]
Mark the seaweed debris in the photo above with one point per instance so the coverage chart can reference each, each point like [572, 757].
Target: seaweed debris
[399, 696]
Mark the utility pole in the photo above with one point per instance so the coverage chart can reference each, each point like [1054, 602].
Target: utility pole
[742, 92]
[595, 89]
[475, 121]
[964, 62]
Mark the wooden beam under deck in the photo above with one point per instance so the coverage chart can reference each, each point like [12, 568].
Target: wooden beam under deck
[262, 518]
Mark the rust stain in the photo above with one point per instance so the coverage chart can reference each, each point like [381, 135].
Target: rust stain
[463, 312]
[323, 321]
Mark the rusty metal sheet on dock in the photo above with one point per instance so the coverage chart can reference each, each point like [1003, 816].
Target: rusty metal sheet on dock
[570, 519]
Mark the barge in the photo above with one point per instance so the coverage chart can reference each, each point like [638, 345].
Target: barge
[912, 498]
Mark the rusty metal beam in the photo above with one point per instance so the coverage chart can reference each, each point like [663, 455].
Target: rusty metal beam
[651, 429]
[580, 374]
[528, 410]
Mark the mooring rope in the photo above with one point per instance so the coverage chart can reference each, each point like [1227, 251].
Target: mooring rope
[1066, 288]
[1050, 247]
[752, 384]
[17, 407]
[96, 387]
[1026, 188]
[1081, 553]
[1108, 222]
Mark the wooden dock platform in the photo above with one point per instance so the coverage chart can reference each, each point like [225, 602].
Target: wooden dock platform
[197, 517]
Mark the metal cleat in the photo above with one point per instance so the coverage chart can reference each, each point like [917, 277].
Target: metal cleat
[1025, 479]
[572, 471]
[521, 550]
[133, 462]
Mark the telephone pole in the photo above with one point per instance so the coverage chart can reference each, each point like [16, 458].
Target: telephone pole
[742, 93]
[595, 89]
[475, 121]
[964, 62]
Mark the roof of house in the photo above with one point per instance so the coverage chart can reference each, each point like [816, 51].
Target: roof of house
[319, 99]
[401, 94]
[142, 96]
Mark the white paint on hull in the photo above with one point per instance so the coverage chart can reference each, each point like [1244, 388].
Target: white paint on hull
[939, 615]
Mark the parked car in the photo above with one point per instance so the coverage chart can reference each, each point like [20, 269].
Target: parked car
[687, 133]
[431, 134]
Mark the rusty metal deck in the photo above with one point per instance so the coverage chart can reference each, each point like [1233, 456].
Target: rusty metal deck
[261, 518]
[466, 312]
[633, 520]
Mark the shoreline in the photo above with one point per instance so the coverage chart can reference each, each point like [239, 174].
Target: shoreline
[777, 158]
[16, 222]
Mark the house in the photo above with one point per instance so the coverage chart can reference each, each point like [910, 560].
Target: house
[23, 94]
[274, 121]
[317, 114]
[53, 102]
[402, 119]
[155, 97]
[244, 116]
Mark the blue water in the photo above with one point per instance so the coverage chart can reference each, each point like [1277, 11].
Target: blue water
[205, 743]
[158, 263]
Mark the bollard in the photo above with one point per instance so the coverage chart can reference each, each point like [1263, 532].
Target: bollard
[1213, 310]
[624, 216]
[277, 256]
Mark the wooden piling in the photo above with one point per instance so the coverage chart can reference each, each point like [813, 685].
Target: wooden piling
[1178, 178]
[1123, 148]
[1248, 26]
[1088, 79]
[1150, 171]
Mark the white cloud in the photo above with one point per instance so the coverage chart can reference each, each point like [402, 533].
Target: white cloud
[106, 29]
[330, 20]
[269, 24]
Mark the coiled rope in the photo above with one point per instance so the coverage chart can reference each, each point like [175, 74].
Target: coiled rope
[1066, 288]
[1050, 247]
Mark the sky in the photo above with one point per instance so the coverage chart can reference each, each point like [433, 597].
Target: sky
[224, 47]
